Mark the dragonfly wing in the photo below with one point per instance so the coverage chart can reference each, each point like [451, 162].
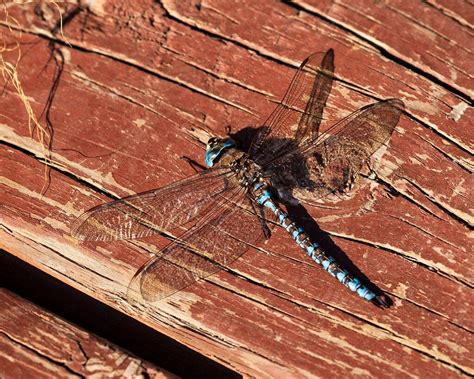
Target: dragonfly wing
[298, 116]
[154, 211]
[332, 160]
[214, 242]
[310, 120]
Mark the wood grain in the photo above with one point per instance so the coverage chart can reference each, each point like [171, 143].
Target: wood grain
[145, 83]
[36, 343]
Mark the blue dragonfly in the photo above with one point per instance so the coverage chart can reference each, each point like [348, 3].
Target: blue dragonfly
[238, 199]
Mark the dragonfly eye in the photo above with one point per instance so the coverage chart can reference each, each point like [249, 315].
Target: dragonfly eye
[214, 149]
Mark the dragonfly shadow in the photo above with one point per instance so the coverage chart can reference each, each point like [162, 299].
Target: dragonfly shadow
[299, 169]
[244, 136]
[300, 215]
[296, 168]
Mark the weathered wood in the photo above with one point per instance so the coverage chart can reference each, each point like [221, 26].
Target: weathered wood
[145, 83]
[429, 36]
[37, 344]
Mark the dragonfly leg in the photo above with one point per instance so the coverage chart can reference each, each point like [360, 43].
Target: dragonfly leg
[263, 222]
[196, 166]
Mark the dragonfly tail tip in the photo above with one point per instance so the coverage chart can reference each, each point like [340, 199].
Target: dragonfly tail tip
[382, 301]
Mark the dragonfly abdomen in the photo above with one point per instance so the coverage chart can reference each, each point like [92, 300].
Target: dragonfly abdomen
[312, 249]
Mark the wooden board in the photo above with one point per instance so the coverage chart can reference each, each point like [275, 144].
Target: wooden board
[36, 343]
[145, 83]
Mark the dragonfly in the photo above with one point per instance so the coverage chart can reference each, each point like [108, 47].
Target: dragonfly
[235, 203]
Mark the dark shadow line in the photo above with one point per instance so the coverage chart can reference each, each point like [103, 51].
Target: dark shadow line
[102, 320]
[301, 217]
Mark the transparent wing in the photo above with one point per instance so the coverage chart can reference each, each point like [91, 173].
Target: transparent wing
[150, 212]
[328, 163]
[299, 114]
[215, 241]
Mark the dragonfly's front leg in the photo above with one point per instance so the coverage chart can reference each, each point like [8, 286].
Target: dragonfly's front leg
[196, 166]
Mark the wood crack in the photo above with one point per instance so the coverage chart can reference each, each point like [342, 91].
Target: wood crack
[42, 355]
[128, 62]
[378, 329]
[455, 214]
[410, 257]
[432, 77]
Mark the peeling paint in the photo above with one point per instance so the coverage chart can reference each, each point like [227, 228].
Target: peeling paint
[401, 290]
[422, 106]
[454, 346]
[200, 134]
[457, 111]
[460, 189]
[330, 218]
[30, 193]
[97, 6]
[388, 166]
[139, 122]
[8, 134]
[394, 322]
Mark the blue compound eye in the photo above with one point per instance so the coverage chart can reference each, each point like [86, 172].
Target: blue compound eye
[215, 148]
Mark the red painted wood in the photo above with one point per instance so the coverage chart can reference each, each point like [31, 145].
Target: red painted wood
[37, 344]
[427, 35]
[145, 83]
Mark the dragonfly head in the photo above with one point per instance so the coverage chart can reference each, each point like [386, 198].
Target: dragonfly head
[214, 149]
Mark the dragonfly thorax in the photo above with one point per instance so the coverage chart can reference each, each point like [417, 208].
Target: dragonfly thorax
[246, 170]
[225, 153]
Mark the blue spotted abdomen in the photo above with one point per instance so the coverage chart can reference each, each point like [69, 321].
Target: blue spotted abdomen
[314, 251]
